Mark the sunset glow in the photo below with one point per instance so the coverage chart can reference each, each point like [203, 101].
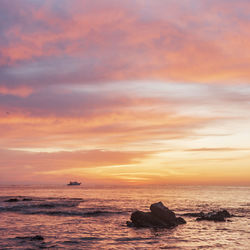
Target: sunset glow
[128, 92]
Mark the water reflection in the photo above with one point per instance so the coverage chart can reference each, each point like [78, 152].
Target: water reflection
[96, 218]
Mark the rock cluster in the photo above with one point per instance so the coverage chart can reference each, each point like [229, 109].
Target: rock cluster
[211, 216]
[215, 216]
[160, 216]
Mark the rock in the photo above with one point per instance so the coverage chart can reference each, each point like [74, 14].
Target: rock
[12, 200]
[32, 238]
[224, 213]
[215, 216]
[180, 220]
[142, 219]
[37, 237]
[211, 216]
[160, 216]
[163, 213]
[27, 199]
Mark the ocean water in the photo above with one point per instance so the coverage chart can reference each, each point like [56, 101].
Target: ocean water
[95, 218]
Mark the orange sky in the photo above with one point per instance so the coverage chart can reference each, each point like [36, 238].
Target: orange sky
[128, 92]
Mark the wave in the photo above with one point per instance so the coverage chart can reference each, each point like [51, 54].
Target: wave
[91, 238]
[53, 206]
[74, 213]
[32, 198]
[34, 206]
[98, 212]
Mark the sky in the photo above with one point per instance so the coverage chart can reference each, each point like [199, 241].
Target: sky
[135, 92]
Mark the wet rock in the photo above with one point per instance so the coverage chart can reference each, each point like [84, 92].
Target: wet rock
[180, 220]
[12, 200]
[215, 216]
[224, 213]
[160, 216]
[146, 219]
[211, 216]
[163, 213]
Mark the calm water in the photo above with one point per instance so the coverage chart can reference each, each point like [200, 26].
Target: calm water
[90, 218]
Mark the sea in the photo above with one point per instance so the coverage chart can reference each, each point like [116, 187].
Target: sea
[79, 217]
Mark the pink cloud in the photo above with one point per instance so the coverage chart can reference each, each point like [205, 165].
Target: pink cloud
[20, 91]
[134, 40]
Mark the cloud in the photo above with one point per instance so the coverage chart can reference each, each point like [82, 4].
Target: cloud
[86, 42]
[113, 127]
[118, 116]
[216, 149]
[18, 165]
[20, 91]
[66, 159]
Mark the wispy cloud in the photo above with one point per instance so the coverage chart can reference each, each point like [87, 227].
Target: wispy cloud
[216, 149]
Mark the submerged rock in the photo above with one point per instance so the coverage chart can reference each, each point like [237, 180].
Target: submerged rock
[201, 214]
[160, 216]
[32, 238]
[27, 199]
[12, 200]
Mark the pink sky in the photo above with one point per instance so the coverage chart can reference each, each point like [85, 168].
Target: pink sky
[125, 92]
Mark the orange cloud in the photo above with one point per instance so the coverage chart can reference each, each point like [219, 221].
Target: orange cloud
[22, 165]
[121, 127]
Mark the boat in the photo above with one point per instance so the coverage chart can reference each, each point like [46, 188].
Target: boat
[74, 183]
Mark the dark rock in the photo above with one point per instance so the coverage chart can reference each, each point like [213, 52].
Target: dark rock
[146, 219]
[224, 213]
[211, 216]
[27, 199]
[163, 213]
[32, 238]
[215, 216]
[12, 200]
[180, 220]
[160, 216]
[37, 237]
